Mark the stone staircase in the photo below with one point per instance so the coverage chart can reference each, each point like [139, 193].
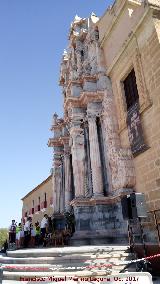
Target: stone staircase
[22, 265]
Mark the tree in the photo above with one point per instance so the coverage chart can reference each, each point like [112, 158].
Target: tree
[3, 236]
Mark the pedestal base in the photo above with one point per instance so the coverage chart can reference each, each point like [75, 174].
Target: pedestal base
[99, 221]
[58, 221]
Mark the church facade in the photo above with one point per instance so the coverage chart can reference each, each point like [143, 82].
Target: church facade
[100, 142]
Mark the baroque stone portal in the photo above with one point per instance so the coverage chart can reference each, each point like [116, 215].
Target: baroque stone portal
[91, 170]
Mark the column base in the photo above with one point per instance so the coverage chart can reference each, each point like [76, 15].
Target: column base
[97, 195]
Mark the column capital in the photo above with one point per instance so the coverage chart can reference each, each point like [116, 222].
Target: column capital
[67, 151]
[76, 123]
[91, 117]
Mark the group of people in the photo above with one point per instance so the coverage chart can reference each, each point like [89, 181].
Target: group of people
[28, 234]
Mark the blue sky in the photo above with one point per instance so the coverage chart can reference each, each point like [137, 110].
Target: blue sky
[33, 34]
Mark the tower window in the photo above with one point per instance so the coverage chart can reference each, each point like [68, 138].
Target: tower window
[130, 88]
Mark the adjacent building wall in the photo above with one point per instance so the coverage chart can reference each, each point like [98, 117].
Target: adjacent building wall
[34, 195]
[130, 37]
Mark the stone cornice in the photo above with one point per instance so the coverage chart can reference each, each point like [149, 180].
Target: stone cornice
[64, 139]
[59, 125]
[54, 142]
[88, 97]
[96, 200]
[73, 82]
[84, 99]
[89, 78]
[71, 101]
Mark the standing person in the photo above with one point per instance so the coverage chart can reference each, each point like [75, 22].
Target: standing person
[33, 234]
[38, 233]
[44, 226]
[27, 232]
[18, 235]
[22, 237]
[12, 232]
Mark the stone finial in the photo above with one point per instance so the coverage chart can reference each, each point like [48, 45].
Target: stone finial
[55, 116]
[65, 54]
[94, 18]
[77, 19]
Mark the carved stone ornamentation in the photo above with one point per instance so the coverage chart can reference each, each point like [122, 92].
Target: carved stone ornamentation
[87, 68]
[120, 160]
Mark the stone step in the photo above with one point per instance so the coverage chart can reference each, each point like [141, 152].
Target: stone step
[62, 251]
[70, 261]
[88, 259]
[65, 267]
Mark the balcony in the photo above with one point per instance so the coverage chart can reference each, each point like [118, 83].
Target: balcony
[37, 209]
[43, 206]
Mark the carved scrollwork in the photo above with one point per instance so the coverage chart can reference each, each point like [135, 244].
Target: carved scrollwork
[144, 98]
[87, 68]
